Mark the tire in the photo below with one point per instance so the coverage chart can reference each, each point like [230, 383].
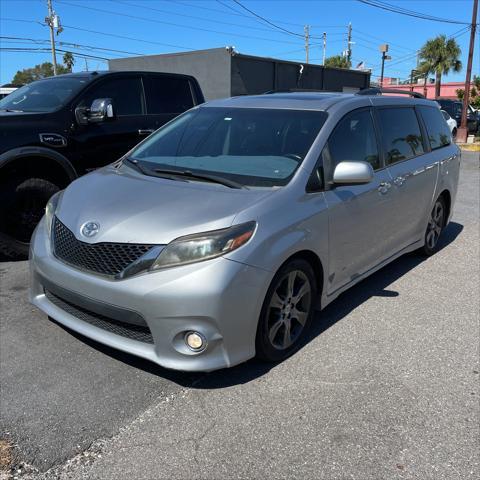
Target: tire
[284, 321]
[435, 226]
[23, 205]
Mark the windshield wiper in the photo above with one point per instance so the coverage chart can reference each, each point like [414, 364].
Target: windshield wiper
[10, 110]
[200, 176]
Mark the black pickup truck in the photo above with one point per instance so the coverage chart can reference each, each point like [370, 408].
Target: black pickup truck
[58, 128]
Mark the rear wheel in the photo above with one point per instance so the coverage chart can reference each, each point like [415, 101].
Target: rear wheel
[287, 311]
[435, 226]
[23, 205]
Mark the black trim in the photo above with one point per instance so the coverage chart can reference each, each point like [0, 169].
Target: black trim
[380, 91]
[100, 308]
[25, 152]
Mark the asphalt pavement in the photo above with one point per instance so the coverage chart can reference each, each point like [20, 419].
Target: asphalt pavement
[386, 387]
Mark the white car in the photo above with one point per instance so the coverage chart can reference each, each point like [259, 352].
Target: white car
[451, 122]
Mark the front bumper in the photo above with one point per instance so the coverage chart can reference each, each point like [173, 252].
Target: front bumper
[220, 298]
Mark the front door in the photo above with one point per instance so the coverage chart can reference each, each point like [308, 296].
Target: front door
[99, 144]
[360, 216]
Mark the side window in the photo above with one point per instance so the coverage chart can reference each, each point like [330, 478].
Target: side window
[401, 134]
[437, 129]
[168, 95]
[354, 140]
[126, 94]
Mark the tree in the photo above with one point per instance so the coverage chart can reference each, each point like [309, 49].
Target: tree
[439, 55]
[68, 61]
[338, 61]
[474, 92]
[28, 75]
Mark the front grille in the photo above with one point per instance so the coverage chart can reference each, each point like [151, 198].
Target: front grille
[134, 332]
[104, 258]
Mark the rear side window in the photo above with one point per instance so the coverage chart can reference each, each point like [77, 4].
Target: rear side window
[168, 95]
[126, 94]
[401, 134]
[437, 128]
[354, 140]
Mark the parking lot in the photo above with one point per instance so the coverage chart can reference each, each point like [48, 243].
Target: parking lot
[386, 387]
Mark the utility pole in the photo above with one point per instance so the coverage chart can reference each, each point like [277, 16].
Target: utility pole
[324, 47]
[53, 22]
[462, 133]
[349, 43]
[307, 38]
[384, 49]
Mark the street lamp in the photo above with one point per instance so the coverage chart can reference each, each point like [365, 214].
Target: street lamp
[384, 49]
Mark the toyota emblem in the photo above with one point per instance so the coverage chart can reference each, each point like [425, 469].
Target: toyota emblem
[90, 229]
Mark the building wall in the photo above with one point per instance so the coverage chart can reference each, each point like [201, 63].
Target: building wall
[210, 67]
[447, 89]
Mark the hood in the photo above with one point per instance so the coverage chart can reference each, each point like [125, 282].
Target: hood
[135, 208]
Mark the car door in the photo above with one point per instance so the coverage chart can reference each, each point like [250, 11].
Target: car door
[360, 216]
[166, 97]
[413, 169]
[105, 142]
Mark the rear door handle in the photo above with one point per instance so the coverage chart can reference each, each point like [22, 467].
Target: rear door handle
[384, 187]
[145, 131]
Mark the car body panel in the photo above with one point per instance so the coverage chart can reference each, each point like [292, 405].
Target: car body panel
[353, 230]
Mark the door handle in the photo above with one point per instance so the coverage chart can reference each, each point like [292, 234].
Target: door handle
[384, 187]
[145, 131]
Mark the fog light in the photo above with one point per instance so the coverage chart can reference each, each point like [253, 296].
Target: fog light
[195, 341]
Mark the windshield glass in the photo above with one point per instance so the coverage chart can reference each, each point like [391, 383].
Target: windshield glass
[43, 95]
[252, 146]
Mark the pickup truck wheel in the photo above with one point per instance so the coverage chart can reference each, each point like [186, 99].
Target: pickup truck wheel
[23, 206]
[287, 311]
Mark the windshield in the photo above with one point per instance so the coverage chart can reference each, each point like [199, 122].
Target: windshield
[251, 146]
[43, 95]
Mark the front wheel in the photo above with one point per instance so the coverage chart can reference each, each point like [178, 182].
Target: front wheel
[23, 205]
[287, 311]
[435, 226]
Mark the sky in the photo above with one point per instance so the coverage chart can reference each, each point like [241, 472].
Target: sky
[102, 29]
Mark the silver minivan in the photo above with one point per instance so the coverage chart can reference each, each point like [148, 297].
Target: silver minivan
[216, 238]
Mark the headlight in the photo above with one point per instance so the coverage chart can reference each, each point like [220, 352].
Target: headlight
[203, 246]
[50, 211]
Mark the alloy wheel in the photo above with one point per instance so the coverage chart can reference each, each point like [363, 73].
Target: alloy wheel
[289, 309]
[435, 225]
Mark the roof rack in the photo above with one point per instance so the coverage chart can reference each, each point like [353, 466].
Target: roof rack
[380, 91]
[295, 90]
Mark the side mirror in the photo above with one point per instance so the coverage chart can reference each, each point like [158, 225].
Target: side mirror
[100, 110]
[352, 173]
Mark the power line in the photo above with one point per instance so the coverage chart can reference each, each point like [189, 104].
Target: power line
[107, 34]
[43, 50]
[188, 16]
[237, 14]
[263, 19]
[66, 44]
[135, 17]
[410, 13]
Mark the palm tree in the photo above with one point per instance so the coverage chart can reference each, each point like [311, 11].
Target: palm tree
[338, 61]
[440, 55]
[68, 60]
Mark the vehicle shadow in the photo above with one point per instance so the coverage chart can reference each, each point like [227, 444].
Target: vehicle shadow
[375, 285]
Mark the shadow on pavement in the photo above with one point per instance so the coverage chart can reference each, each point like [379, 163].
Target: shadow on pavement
[374, 286]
